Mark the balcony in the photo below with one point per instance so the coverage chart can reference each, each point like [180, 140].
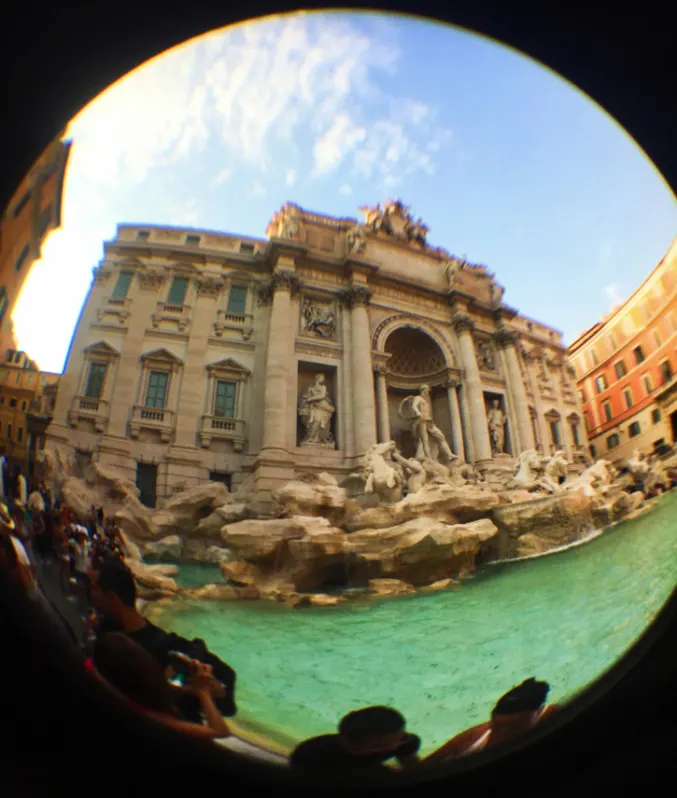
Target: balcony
[222, 429]
[240, 322]
[85, 408]
[152, 418]
[172, 314]
[114, 309]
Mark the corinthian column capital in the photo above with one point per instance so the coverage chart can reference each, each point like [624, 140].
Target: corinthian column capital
[505, 338]
[356, 296]
[462, 322]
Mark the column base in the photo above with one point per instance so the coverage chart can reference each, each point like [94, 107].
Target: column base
[273, 468]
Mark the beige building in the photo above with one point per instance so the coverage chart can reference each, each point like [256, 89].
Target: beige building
[198, 355]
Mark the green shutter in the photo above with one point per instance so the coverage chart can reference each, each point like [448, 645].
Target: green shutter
[156, 392]
[177, 292]
[224, 400]
[97, 374]
[122, 285]
[237, 300]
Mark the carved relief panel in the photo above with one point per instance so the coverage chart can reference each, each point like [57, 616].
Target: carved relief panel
[318, 318]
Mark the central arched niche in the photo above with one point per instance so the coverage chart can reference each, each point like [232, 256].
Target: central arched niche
[415, 358]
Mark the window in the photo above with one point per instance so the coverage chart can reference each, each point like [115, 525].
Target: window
[12, 402]
[21, 204]
[608, 411]
[2, 400]
[18, 378]
[627, 395]
[655, 415]
[122, 285]
[634, 429]
[237, 300]
[19, 434]
[22, 258]
[600, 383]
[3, 302]
[220, 476]
[193, 240]
[49, 171]
[142, 235]
[613, 441]
[177, 291]
[156, 392]
[593, 354]
[593, 452]
[248, 248]
[657, 338]
[95, 380]
[574, 433]
[10, 355]
[45, 220]
[648, 384]
[554, 432]
[588, 426]
[646, 311]
[581, 394]
[612, 341]
[224, 399]
[23, 407]
[620, 369]
[146, 482]
[639, 354]
[666, 370]
[9, 431]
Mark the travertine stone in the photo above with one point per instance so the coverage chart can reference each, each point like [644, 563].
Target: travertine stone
[480, 433]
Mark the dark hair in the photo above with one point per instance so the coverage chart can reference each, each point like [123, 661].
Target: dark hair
[370, 722]
[526, 697]
[115, 577]
[133, 671]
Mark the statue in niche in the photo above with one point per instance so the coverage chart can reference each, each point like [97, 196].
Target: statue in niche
[356, 241]
[496, 420]
[316, 411]
[318, 318]
[485, 356]
[418, 411]
[453, 271]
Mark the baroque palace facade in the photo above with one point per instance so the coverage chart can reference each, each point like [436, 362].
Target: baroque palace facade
[626, 368]
[202, 355]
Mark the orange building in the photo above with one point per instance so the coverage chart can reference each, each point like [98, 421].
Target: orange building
[626, 367]
[33, 211]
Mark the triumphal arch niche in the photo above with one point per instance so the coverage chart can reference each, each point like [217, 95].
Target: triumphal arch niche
[387, 325]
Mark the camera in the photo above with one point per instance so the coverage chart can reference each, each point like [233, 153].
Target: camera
[182, 664]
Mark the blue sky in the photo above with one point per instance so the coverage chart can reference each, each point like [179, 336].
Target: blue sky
[509, 165]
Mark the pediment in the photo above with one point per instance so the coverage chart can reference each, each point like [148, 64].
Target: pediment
[101, 348]
[229, 366]
[130, 262]
[553, 415]
[162, 355]
[573, 417]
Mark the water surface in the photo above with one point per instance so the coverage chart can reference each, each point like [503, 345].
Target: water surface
[444, 659]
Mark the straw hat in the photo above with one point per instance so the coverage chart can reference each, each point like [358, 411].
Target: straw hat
[6, 522]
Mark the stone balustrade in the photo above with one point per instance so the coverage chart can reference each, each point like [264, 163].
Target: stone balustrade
[152, 418]
[219, 428]
[89, 409]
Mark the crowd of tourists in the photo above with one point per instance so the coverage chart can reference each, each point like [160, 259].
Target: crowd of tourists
[178, 682]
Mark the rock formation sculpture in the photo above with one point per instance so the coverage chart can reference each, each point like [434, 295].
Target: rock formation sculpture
[418, 411]
[316, 411]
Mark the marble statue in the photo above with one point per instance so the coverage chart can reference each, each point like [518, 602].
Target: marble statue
[288, 227]
[452, 270]
[485, 356]
[555, 468]
[414, 473]
[638, 466]
[382, 477]
[318, 318]
[496, 420]
[316, 411]
[356, 241]
[418, 411]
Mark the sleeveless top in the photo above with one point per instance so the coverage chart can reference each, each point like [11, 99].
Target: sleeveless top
[481, 743]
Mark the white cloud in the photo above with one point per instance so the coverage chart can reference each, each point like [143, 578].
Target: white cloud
[335, 143]
[290, 177]
[222, 176]
[186, 214]
[345, 189]
[612, 291]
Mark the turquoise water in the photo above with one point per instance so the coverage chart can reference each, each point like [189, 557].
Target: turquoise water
[191, 574]
[444, 659]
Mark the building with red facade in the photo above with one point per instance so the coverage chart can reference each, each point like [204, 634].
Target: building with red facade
[32, 213]
[626, 367]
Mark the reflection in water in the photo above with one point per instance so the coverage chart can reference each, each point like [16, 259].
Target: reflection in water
[444, 659]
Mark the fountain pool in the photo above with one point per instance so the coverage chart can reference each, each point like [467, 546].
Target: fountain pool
[443, 659]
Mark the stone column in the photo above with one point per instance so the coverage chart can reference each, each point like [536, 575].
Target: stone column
[364, 410]
[278, 367]
[194, 380]
[478, 418]
[455, 414]
[508, 341]
[383, 411]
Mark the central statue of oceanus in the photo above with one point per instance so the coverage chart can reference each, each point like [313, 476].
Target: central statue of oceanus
[430, 440]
